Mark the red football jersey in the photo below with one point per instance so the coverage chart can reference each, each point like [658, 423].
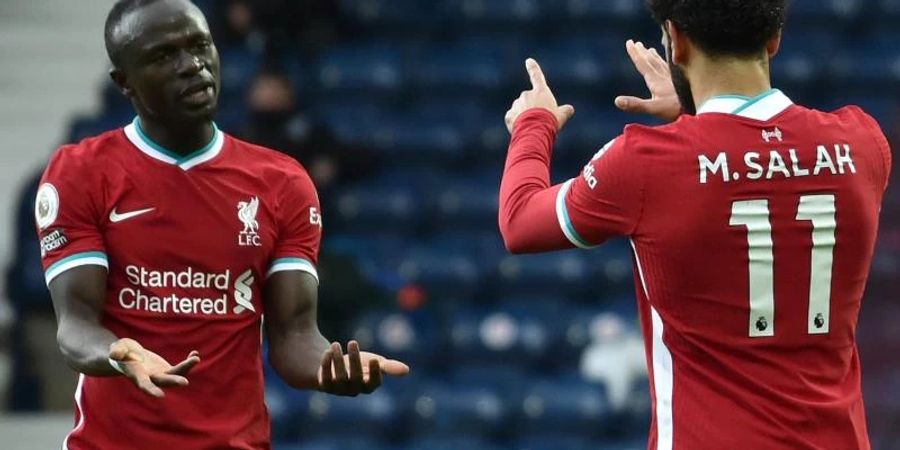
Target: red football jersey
[188, 243]
[753, 225]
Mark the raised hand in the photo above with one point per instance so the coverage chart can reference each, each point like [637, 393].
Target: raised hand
[663, 101]
[365, 370]
[540, 96]
[147, 370]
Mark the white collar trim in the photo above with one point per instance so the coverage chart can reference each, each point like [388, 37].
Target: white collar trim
[763, 107]
[145, 144]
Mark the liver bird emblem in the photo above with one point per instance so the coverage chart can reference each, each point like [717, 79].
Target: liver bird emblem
[247, 215]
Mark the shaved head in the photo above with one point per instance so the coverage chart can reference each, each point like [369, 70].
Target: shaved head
[120, 30]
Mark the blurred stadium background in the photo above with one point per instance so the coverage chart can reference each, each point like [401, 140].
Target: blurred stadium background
[395, 107]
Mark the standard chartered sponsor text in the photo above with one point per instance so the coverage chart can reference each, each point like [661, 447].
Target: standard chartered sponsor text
[145, 295]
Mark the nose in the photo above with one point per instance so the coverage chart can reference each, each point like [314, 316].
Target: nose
[189, 64]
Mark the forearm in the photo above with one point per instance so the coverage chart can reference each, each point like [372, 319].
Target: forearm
[296, 355]
[527, 216]
[85, 346]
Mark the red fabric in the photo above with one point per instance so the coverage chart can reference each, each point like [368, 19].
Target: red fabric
[527, 202]
[194, 226]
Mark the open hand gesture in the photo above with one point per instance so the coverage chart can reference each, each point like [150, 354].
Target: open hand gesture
[540, 96]
[365, 370]
[147, 370]
[663, 102]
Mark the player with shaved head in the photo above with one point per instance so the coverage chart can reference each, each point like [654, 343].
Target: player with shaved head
[165, 242]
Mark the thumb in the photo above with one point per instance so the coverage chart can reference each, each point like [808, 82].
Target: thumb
[120, 349]
[394, 367]
[633, 104]
[564, 113]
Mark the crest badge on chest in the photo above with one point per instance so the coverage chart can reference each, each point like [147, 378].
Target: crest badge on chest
[249, 234]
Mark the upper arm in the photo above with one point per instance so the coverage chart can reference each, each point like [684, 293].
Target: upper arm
[79, 295]
[290, 302]
[291, 289]
[67, 214]
[299, 226]
[606, 200]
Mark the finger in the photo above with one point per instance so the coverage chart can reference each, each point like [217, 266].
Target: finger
[658, 61]
[636, 54]
[145, 385]
[356, 369]
[375, 378]
[535, 74]
[652, 59]
[326, 381]
[167, 380]
[337, 358]
[185, 366]
[564, 113]
[634, 104]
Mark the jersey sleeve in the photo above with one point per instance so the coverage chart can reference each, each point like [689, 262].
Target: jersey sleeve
[299, 226]
[606, 200]
[68, 211]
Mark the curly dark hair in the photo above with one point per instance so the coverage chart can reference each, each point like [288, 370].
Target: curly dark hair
[723, 27]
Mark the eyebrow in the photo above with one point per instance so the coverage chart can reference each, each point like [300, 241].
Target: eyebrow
[169, 40]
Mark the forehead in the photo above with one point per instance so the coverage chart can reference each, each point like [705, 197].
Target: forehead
[161, 23]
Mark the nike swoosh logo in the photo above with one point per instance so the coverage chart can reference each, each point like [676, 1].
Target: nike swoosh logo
[116, 217]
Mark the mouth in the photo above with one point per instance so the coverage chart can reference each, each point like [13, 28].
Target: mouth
[199, 93]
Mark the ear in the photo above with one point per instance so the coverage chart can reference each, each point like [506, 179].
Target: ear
[118, 77]
[773, 45]
[680, 46]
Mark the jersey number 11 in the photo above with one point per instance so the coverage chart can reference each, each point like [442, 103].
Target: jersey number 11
[754, 215]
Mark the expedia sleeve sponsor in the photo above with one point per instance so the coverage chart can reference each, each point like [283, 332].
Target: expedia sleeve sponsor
[155, 291]
[53, 240]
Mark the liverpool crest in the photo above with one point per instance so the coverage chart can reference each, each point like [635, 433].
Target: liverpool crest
[249, 236]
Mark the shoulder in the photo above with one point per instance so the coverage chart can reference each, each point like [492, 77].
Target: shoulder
[84, 158]
[856, 116]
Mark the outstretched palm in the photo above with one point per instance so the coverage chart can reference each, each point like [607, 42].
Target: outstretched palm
[365, 372]
[149, 371]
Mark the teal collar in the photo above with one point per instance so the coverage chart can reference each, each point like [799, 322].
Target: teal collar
[762, 107]
[143, 142]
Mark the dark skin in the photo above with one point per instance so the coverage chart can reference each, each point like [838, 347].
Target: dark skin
[168, 66]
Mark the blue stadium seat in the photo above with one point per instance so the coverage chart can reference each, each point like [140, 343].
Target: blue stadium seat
[868, 65]
[239, 66]
[287, 406]
[466, 204]
[413, 337]
[824, 12]
[368, 68]
[338, 442]
[375, 415]
[444, 409]
[472, 64]
[620, 13]
[396, 209]
[551, 273]
[554, 441]
[492, 13]
[451, 442]
[399, 15]
[566, 404]
[579, 61]
[628, 444]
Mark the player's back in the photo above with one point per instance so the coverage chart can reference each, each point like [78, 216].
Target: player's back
[758, 226]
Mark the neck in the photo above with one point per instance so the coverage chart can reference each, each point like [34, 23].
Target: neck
[728, 76]
[184, 139]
